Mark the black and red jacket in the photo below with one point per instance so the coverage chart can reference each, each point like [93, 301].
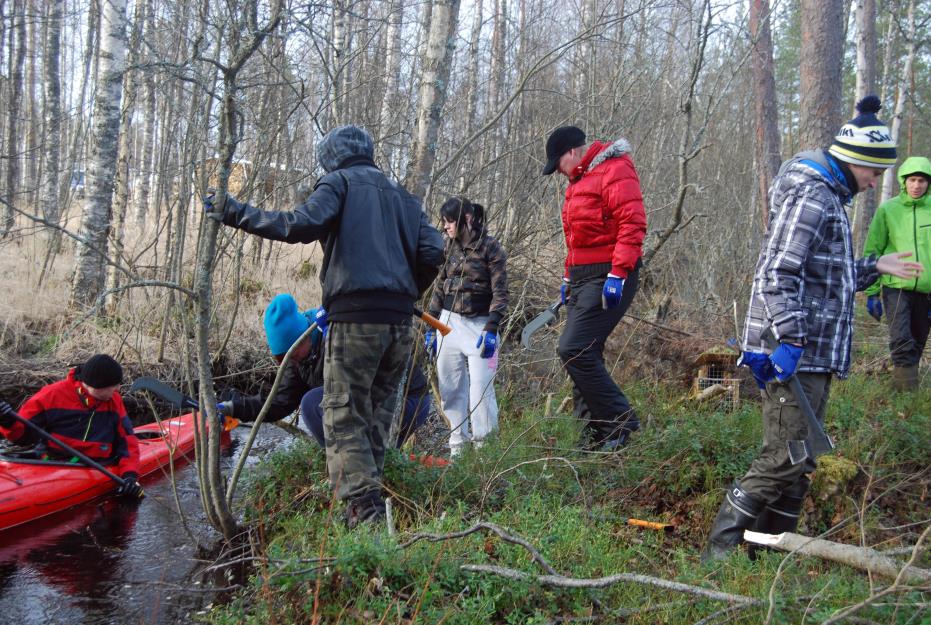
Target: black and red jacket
[99, 429]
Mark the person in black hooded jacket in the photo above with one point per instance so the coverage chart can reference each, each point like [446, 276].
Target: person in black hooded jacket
[380, 255]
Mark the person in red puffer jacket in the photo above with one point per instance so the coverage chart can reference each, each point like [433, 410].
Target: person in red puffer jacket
[604, 223]
[85, 411]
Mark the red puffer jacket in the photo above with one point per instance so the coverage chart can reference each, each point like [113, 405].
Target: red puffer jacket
[603, 216]
[99, 429]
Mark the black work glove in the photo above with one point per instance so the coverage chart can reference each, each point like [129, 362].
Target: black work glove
[131, 487]
[7, 419]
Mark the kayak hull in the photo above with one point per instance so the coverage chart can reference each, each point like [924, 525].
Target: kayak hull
[32, 490]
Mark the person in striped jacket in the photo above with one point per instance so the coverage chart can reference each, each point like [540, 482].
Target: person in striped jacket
[803, 292]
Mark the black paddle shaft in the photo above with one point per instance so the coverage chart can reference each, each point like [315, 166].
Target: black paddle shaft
[71, 450]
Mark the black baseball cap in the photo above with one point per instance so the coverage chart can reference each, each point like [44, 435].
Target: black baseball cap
[561, 141]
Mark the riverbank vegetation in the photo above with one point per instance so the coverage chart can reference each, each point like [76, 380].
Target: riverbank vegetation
[485, 539]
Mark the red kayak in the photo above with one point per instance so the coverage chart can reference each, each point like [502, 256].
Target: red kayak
[31, 489]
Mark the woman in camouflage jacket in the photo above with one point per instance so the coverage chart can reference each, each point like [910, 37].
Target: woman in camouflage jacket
[470, 295]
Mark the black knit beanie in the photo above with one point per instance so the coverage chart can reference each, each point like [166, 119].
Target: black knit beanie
[100, 371]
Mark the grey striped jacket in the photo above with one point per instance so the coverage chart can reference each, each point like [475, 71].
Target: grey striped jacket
[806, 277]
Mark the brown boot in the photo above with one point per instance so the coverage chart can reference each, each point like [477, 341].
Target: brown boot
[905, 378]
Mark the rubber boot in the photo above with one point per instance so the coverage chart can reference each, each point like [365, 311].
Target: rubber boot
[905, 378]
[738, 512]
[782, 515]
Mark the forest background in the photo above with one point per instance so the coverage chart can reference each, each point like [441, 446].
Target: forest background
[117, 116]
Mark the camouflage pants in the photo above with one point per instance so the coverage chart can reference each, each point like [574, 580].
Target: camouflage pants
[784, 423]
[362, 366]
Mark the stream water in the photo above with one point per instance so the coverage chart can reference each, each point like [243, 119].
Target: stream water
[117, 562]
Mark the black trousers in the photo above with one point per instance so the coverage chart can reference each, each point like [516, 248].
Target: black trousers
[907, 312]
[598, 400]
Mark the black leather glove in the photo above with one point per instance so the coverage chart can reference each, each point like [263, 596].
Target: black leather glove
[131, 487]
[6, 415]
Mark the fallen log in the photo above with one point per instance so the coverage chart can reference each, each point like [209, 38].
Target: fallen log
[862, 558]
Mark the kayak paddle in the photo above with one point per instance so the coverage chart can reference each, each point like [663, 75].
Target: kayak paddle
[68, 448]
[174, 397]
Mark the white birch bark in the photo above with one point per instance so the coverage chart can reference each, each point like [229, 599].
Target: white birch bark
[438, 54]
[17, 57]
[889, 184]
[144, 173]
[865, 202]
[389, 117]
[51, 208]
[89, 272]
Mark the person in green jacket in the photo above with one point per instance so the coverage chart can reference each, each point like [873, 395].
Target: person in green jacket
[903, 224]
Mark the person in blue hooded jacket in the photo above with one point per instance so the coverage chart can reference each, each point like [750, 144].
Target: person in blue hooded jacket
[301, 382]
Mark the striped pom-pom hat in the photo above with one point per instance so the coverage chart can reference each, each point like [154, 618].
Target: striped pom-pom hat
[865, 140]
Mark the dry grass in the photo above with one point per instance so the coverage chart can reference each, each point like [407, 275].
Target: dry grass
[39, 332]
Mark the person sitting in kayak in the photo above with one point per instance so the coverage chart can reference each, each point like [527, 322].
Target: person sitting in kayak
[85, 411]
[302, 380]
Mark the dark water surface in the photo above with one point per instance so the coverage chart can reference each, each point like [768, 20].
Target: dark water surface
[112, 561]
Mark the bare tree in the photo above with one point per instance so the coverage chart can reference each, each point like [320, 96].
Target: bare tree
[51, 206]
[820, 72]
[434, 81]
[89, 274]
[767, 148]
[865, 203]
[16, 59]
[905, 81]
[212, 495]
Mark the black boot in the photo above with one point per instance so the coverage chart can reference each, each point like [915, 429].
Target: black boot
[738, 512]
[781, 515]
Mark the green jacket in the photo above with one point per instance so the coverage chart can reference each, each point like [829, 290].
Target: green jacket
[903, 224]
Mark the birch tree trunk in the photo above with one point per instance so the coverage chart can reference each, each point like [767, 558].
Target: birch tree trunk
[767, 143]
[388, 126]
[89, 272]
[889, 184]
[144, 175]
[820, 72]
[51, 207]
[124, 155]
[17, 57]
[437, 59]
[865, 202]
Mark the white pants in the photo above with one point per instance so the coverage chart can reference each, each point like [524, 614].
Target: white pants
[466, 381]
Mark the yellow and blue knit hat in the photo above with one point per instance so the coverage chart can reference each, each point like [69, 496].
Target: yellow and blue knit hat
[865, 140]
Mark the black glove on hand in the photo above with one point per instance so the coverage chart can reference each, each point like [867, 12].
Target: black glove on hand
[6, 415]
[131, 487]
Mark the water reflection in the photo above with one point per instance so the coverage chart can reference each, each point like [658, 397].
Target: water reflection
[114, 561]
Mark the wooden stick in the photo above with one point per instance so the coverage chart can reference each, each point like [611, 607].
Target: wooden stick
[862, 558]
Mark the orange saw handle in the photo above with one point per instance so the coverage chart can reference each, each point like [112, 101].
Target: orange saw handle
[433, 322]
[650, 525]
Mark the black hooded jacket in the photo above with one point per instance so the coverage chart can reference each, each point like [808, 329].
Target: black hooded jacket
[380, 251]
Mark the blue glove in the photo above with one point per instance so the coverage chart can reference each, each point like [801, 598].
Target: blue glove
[429, 342]
[611, 292]
[785, 360]
[322, 320]
[874, 306]
[760, 366]
[488, 342]
[564, 291]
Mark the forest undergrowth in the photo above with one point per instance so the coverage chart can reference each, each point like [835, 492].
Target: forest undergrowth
[471, 540]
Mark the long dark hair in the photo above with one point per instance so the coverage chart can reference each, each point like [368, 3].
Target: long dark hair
[456, 208]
